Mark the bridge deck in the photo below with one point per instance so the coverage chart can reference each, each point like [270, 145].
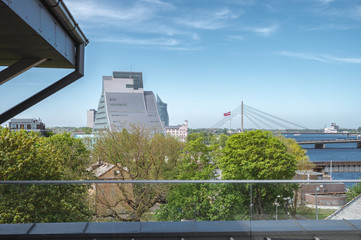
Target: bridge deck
[338, 166]
[330, 141]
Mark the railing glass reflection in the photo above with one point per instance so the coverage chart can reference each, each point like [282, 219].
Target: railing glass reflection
[152, 201]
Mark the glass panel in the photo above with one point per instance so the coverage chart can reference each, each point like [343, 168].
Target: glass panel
[169, 201]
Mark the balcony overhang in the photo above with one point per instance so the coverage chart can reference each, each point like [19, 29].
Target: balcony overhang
[39, 33]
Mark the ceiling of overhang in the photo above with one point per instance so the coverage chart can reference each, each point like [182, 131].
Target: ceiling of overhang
[18, 40]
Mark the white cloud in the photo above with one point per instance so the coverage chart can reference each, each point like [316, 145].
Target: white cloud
[209, 20]
[90, 11]
[105, 12]
[166, 42]
[264, 31]
[320, 57]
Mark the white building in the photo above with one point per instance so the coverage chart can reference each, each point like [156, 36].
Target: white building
[28, 124]
[179, 131]
[91, 113]
[123, 101]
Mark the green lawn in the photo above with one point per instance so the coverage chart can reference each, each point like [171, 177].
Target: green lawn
[311, 213]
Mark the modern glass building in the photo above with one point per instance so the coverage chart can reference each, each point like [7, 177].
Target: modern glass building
[163, 112]
[123, 101]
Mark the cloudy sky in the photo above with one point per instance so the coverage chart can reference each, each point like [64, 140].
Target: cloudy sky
[297, 59]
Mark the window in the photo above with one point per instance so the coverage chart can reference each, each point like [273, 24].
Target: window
[118, 104]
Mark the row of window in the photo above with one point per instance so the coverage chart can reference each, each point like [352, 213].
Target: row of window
[119, 104]
[25, 126]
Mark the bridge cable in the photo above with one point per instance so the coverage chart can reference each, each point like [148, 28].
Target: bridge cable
[269, 119]
[274, 116]
[249, 118]
[259, 120]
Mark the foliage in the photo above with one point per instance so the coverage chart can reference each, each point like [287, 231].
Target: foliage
[87, 130]
[49, 133]
[27, 156]
[205, 202]
[353, 192]
[258, 155]
[74, 156]
[219, 140]
[293, 148]
[137, 154]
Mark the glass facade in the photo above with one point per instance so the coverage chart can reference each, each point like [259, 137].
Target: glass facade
[163, 111]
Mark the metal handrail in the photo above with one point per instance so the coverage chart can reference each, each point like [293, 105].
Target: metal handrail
[174, 181]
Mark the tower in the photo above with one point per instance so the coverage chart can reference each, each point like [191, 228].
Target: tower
[163, 112]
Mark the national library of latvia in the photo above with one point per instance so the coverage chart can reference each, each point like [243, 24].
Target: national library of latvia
[123, 101]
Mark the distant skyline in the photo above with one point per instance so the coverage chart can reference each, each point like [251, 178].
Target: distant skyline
[299, 60]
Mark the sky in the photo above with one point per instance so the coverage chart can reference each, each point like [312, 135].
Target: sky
[299, 60]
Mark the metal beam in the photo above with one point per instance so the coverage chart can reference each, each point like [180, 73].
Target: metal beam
[60, 84]
[18, 68]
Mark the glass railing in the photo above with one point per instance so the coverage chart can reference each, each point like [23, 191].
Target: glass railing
[155, 201]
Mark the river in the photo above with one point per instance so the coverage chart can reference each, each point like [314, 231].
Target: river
[336, 152]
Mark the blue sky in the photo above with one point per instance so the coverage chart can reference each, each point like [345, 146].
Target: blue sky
[296, 59]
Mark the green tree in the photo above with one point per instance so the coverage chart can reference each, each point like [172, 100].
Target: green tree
[219, 140]
[354, 191]
[138, 154]
[87, 130]
[259, 155]
[303, 162]
[74, 155]
[27, 156]
[205, 202]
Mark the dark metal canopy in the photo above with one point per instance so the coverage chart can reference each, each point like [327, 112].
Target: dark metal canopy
[39, 33]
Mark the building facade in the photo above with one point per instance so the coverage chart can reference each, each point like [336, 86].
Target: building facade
[163, 111]
[91, 113]
[28, 124]
[179, 131]
[123, 101]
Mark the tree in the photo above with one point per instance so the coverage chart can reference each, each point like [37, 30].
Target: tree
[354, 191]
[138, 154]
[219, 140]
[204, 202]
[303, 162]
[259, 155]
[87, 130]
[27, 156]
[75, 157]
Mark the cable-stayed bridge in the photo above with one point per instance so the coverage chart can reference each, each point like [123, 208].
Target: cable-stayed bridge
[258, 119]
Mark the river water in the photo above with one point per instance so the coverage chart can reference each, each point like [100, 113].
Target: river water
[336, 152]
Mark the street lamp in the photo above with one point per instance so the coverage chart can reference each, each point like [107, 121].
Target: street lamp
[277, 204]
[317, 189]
